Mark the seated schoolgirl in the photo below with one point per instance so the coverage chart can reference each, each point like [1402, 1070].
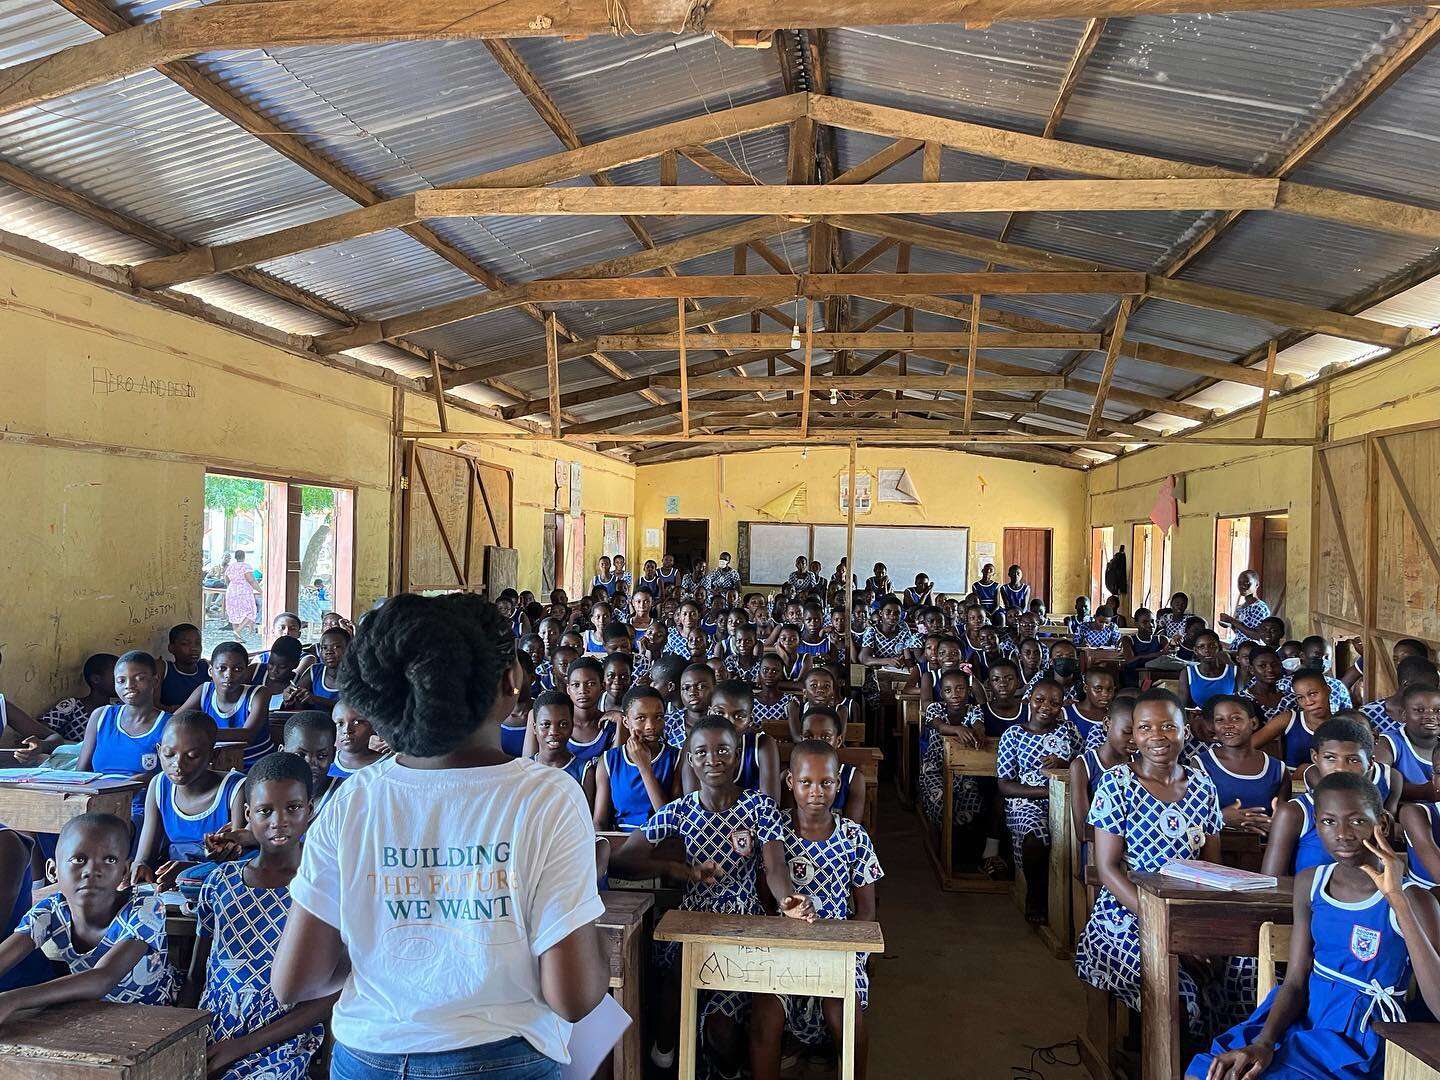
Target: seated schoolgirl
[696, 687]
[1098, 632]
[728, 835]
[823, 723]
[66, 719]
[234, 705]
[759, 762]
[772, 703]
[1342, 744]
[947, 655]
[841, 887]
[743, 659]
[594, 730]
[177, 678]
[636, 778]
[819, 687]
[1411, 748]
[514, 726]
[1211, 672]
[17, 884]
[1146, 813]
[1248, 782]
[353, 742]
[1264, 686]
[1388, 713]
[124, 739]
[886, 642]
[619, 676]
[554, 724]
[1046, 740]
[320, 684]
[275, 675]
[1089, 714]
[310, 736]
[1402, 650]
[1295, 729]
[110, 939]
[951, 714]
[1139, 648]
[187, 801]
[1362, 927]
[239, 919]
[1086, 770]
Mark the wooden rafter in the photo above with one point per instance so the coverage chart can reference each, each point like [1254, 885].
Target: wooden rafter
[855, 340]
[845, 384]
[1112, 353]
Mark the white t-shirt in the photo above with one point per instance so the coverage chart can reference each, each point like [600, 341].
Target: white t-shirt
[446, 886]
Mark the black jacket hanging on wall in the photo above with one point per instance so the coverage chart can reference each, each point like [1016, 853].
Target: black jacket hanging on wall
[1117, 575]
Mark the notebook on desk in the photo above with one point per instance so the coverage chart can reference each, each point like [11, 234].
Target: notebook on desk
[1214, 876]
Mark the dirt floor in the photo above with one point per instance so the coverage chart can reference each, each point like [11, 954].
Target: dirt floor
[965, 989]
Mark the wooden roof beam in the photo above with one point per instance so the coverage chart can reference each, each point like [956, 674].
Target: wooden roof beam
[848, 383]
[860, 340]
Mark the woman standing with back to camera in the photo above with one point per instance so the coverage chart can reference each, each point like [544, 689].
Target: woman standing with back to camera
[448, 892]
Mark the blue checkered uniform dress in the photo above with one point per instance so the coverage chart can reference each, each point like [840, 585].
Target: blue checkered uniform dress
[965, 798]
[828, 872]
[733, 840]
[1252, 615]
[1107, 955]
[244, 925]
[1018, 758]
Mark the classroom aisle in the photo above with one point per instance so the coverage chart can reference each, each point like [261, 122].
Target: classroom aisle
[964, 986]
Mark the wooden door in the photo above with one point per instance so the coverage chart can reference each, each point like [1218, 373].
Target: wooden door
[1030, 550]
[1405, 576]
[552, 552]
[1274, 560]
[455, 507]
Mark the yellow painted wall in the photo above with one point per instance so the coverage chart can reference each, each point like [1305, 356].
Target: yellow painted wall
[100, 539]
[985, 493]
[1225, 481]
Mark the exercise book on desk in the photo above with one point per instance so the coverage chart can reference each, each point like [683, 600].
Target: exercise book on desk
[63, 778]
[1215, 876]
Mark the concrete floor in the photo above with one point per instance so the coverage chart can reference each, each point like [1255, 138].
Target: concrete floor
[965, 987]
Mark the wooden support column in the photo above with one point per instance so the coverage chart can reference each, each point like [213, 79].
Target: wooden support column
[438, 389]
[1112, 353]
[684, 372]
[970, 358]
[809, 360]
[552, 368]
[1265, 392]
[850, 554]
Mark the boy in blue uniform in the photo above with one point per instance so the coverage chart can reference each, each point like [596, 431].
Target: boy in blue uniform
[831, 861]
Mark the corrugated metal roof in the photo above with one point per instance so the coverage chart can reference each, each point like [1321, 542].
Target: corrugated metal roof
[1238, 90]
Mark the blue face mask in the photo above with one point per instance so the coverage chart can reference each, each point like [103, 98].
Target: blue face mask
[1292, 663]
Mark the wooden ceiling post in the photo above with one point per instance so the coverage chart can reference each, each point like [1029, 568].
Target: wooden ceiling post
[552, 370]
[970, 358]
[1112, 353]
[1265, 393]
[684, 370]
[805, 379]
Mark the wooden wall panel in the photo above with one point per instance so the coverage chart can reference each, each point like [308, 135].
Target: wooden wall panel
[1338, 567]
[1407, 508]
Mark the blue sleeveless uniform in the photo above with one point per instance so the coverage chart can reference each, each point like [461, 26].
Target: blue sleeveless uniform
[574, 767]
[316, 675]
[512, 740]
[260, 743]
[748, 778]
[1359, 977]
[1415, 767]
[177, 686]
[628, 797]
[1419, 873]
[667, 580]
[1296, 741]
[1015, 597]
[120, 754]
[813, 648]
[185, 833]
[593, 644]
[35, 968]
[1252, 790]
[1202, 689]
[842, 791]
[987, 596]
[608, 584]
[595, 747]
[1092, 733]
[995, 724]
[1309, 851]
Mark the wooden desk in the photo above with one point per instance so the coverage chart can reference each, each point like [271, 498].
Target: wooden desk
[866, 760]
[30, 808]
[760, 954]
[1058, 932]
[95, 1040]
[1183, 920]
[959, 761]
[228, 756]
[907, 769]
[1412, 1051]
[623, 929]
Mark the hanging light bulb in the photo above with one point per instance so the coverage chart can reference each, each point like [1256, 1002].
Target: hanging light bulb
[834, 396]
[795, 338]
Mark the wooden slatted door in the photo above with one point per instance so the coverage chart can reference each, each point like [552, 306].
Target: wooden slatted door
[455, 507]
[1339, 556]
[1030, 550]
[1405, 581]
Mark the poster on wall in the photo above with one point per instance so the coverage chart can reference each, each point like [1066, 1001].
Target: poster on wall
[652, 539]
[562, 485]
[864, 492]
[895, 487]
[672, 504]
[575, 504]
[982, 554]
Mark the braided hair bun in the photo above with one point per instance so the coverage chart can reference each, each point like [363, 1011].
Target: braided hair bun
[425, 670]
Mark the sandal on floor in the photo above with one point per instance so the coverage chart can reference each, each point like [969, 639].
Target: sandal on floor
[994, 867]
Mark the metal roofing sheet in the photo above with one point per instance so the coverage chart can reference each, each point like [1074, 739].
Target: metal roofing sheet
[1006, 74]
[607, 86]
[30, 29]
[1227, 89]
[68, 231]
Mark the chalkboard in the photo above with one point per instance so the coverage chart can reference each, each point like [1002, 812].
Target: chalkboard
[939, 552]
[768, 551]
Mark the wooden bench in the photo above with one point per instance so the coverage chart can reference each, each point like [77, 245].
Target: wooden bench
[37, 809]
[623, 929]
[960, 761]
[907, 767]
[97, 1040]
[760, 954]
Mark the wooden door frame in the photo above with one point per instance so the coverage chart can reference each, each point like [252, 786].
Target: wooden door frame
[665, 535]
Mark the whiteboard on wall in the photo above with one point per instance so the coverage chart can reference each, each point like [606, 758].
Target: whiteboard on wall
[941, 553]
[772, 549]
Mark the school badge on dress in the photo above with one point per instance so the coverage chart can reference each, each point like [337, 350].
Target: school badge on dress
[802, 871]
[742, 842]
[149, 762]
[1364, 943]
[1174, 824]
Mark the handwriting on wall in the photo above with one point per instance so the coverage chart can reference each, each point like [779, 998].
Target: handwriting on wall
[760, 970]
[105, 381]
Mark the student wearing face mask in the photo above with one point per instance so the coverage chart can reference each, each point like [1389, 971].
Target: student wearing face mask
[724, 577]
[1315, 654]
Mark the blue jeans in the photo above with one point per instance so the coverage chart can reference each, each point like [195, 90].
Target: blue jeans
[508, 1059]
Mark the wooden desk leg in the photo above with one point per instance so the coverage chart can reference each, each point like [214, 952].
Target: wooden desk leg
[1058, 922]
[1160, 1017]
[847, 1050]
[905, 781]
[689, 1034]
[631, 1048]
[947, 827]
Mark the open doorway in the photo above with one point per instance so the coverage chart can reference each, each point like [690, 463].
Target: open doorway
[688, 539]
[1256, 542]
[1150, 566]
[1102, 550]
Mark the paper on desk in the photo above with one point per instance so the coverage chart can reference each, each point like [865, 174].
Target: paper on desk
[592, 1039]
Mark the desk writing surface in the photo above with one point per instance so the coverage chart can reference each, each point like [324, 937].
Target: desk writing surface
[625, 907]
[97, 1032]
[1170, 889]
[1420, 1041]
[833, 935]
